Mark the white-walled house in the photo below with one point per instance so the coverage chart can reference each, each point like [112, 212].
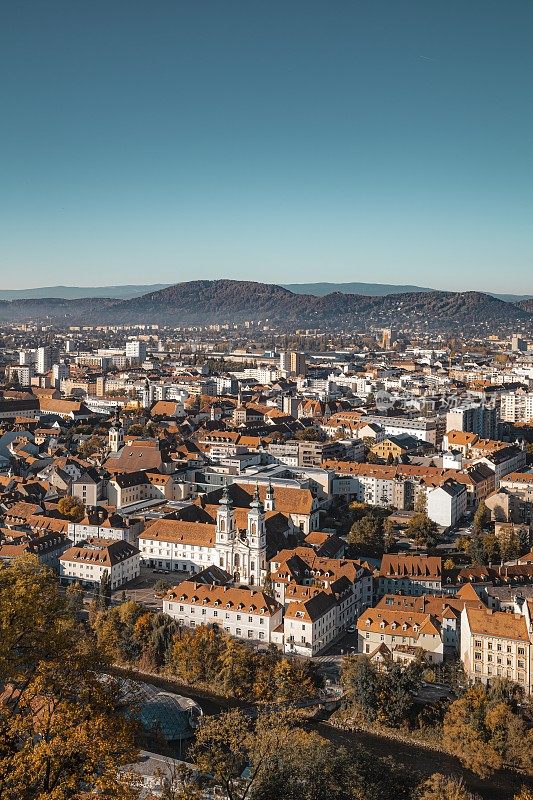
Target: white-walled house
[87, 563]
[310, 626]
[446, 504]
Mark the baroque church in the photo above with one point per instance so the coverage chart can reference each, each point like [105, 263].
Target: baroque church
[242, 553]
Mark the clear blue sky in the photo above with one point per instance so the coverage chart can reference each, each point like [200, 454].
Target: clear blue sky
[373, 140]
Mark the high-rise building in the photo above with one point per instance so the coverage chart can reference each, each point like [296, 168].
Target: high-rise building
[26, 357]
[478, 419]
[284, 362]
[516, 407]
[136, 349]
[289, 405]
[59, 373]
[297, 365]
[387, 338]
[44, 360]
[518, 345]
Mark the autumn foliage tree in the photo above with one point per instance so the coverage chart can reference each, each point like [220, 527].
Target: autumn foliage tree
[60, 730]
[71, 508]
[272, 757]
[486, 730]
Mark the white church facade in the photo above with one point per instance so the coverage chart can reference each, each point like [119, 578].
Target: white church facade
[181, 546]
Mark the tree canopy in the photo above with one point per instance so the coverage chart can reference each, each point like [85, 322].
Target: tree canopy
[60, 730]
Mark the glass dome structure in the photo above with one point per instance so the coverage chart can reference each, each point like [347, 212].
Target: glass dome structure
[173, 717]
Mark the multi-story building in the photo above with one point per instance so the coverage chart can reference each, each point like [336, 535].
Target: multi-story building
[399, 574]
[179, 545]
[498, 644]
[473, 418]
[43, 360]
[136, 350]
[297, 363]
[87, 563]
[248, 614]
[516, 407]
[59, 374]
[311, 625]
[402, 632]
[446, 504]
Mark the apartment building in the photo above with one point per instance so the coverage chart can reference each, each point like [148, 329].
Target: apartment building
[416, 575]
[447, 504]
[498, 644]
[310, 626]
[473, 418]
[517, 407]
[87, 563]
[404, 633]
[248, 614]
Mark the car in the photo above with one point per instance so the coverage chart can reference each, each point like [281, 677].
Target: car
[350, 629]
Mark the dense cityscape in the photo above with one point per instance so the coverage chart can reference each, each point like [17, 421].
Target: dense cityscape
[327, 528]
[266, 400]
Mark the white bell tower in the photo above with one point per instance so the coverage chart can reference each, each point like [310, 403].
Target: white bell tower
[256, 539]
[269, 498]
[116, 434]
[226, 531]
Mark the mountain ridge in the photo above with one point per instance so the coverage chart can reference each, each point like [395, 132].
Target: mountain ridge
[208, 302]
[318, 289]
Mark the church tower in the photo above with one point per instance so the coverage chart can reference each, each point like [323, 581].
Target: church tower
[116, 434]
[226, 531]
[256, 538]
[269, 498]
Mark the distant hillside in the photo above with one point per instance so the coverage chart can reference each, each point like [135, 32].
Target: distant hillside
[372, 289]
[200, 302]
[527, 305]
[316, 289]
[206, 302]
[75, 292]
[379, 290]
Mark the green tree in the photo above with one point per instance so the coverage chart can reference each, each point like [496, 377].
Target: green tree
[475, 548]
[491, 548]
[91, 446]
[481, 517]
[362, 684]
[309, 434]
[485, 732]
[103, 598]
[196, 655]
[367, 534]
[74, 595]
[423, 530]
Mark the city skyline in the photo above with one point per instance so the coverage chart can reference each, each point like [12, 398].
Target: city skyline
[292, 144]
